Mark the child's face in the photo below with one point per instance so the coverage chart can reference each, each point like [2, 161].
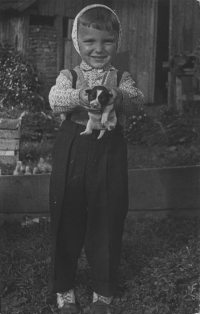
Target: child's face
[97, 47]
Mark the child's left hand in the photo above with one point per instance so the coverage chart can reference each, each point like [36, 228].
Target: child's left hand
[117, 97]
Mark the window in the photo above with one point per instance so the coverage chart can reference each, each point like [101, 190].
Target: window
[41, 20]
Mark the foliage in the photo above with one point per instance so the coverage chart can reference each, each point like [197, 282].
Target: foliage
[19, 82]
[39, 126]
[158, 273]
[170, 127]
[37, 136]
[141, 156]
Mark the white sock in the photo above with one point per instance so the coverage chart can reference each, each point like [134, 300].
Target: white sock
[65, 297]
[106, 300]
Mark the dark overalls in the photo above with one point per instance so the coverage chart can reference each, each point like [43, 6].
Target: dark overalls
[88, 206]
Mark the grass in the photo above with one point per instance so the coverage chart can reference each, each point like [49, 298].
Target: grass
[159, 270]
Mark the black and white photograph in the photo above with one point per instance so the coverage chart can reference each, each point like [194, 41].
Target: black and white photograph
[99, 156]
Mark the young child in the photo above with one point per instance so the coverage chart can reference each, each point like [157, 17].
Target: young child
[89, 181]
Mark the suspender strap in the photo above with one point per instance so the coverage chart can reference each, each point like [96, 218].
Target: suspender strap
[119, 77]
[74, 78]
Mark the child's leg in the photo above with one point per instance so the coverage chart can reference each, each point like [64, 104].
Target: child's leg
[107, 191]
[68, 228]
[70, 238]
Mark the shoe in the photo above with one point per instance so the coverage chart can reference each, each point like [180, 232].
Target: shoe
[100, 307]
[70, 308]
[67, 303]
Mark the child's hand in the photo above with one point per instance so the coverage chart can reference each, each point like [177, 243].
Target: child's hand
[117, 97]
[83, 96]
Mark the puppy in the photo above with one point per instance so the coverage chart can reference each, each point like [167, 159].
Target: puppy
[102, 117]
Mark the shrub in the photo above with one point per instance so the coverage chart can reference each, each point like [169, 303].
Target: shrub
[169, 127]
[19, 82]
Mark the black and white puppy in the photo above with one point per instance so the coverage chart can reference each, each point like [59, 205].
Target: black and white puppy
[103, 116]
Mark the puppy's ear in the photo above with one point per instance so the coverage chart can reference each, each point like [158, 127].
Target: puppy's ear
[88, 90]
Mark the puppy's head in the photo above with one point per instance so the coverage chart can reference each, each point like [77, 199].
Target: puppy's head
[98, 97]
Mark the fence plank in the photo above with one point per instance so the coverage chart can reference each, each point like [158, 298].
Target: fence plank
[10, 124]
[9, 160]
[7, 153]
[9, 144]
[9, 134]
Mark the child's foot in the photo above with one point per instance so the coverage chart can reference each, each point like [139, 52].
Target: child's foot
[100, 304]
[67, 303]
[99, 307]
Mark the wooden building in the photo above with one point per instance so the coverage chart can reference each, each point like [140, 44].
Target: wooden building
[153, 30]
[184, 46]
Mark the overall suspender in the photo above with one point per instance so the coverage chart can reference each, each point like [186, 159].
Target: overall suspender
[74, 78]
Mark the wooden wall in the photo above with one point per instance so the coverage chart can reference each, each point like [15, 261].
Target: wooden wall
[184, 26]
[138, 51]
[184, 33]
[14, 28]
[60, 7]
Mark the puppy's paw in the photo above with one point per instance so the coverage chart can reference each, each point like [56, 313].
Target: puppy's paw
[86, 132]
[102, 126]
[111, 127]
[101, 134]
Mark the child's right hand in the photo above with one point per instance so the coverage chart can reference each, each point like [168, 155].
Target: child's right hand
[83, 96]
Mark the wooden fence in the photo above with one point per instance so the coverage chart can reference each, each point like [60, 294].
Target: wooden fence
[152, 193]
[9, 140]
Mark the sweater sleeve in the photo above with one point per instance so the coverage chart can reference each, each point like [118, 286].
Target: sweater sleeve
[62, 97]
[133, 98]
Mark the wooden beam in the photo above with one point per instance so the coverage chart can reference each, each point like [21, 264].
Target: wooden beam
[9, 159]
[10, 124]
[9, 144]
[9, 134]
[192, 97]
[179, 94]
[59, 28]
[152, 192]
[7, 153]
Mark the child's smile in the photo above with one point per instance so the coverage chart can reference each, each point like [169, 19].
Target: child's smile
[97, 47]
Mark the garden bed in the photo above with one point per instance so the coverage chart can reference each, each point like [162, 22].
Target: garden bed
[159, 271]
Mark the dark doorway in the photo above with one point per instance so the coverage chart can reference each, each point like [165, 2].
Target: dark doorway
[162, 52]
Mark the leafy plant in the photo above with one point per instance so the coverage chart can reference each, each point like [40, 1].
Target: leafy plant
[170, 127]
[19, 82]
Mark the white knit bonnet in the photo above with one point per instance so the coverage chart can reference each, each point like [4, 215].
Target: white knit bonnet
[75, 25]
